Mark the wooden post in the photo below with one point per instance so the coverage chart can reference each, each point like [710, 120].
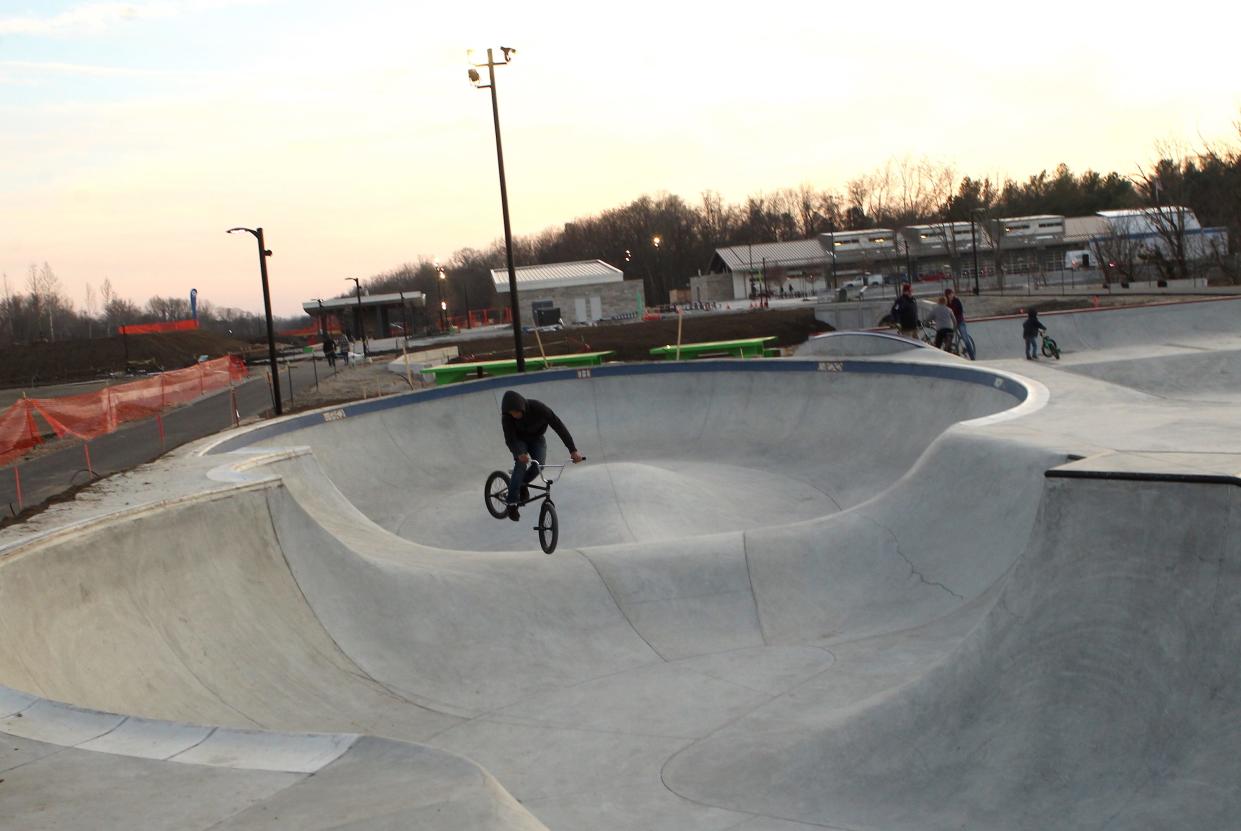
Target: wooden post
[159, 422]
[86, 450]
[680, 318]
[17, 479]
[541, 352]
[405, 359]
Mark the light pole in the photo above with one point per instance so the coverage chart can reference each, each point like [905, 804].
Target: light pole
[657, 241]
[439, 287]
[357, 286]
[518, 349]
[264, 253]
[831, 229]
[322, 320]
[974, 245]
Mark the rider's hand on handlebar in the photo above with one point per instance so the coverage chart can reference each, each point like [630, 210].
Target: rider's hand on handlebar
[524, 458]
[576, 456]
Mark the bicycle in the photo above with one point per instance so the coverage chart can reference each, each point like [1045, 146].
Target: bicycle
[955, 344]
[495, 497]
[1050, 348]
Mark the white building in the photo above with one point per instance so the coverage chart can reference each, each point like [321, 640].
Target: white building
[583, 292]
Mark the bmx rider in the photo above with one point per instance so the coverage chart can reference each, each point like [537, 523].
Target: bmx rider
[524, 422]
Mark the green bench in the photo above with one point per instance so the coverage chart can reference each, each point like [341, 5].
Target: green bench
[741, 348]
[454, 373]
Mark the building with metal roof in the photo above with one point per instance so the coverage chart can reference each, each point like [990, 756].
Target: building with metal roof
[580, 292]
[372, 315]
[558, 275]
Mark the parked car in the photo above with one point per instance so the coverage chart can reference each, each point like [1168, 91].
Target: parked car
[866, 280]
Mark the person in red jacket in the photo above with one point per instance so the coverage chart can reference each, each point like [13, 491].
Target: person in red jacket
[524, 422]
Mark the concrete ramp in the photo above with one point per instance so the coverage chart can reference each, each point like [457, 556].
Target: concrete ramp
[789, 594]
[1097, 693]
[1211, 323]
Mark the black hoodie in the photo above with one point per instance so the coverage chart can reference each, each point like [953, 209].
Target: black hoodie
[536, 418]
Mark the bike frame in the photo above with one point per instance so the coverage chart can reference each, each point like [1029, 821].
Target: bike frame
[546, 487]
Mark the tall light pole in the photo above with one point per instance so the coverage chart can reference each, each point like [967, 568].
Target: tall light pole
[264, 253]
[518, 349]
[657, 241]
[974, 245]
[439, 285]
[357, 286]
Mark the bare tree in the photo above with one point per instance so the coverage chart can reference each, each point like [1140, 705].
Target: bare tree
[1120, 251]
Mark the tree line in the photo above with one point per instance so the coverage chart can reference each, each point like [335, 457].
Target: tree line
[37, 311]
[901, 192]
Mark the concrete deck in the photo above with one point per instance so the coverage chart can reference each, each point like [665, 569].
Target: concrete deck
[889, 592]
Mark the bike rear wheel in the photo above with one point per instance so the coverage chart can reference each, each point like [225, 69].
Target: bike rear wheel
[548, 527]
[495, 494]
[1050, 349]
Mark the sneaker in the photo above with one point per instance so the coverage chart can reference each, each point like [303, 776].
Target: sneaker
[513, 513]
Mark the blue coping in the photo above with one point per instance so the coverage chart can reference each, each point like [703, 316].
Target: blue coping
[786, 365]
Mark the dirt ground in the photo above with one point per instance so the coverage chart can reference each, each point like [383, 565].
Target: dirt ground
[81, 360]
[633, 341]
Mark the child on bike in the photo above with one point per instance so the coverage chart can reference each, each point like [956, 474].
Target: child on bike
[1030, 328]
[524, 422]
[945, 322]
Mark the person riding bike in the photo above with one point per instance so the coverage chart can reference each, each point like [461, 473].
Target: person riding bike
[524, 422]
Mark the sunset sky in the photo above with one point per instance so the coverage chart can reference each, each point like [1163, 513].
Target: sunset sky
[134, 134]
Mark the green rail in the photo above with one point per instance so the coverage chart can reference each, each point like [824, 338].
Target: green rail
[454, 373]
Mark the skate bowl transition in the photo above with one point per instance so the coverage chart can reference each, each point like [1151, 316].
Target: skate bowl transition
[862, 594]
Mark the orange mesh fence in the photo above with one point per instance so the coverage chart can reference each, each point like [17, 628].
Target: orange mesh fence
[18, 432]
[148, 328]
[95, 413]
[85, 416]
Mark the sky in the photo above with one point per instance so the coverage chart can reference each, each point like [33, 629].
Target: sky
[134, 134]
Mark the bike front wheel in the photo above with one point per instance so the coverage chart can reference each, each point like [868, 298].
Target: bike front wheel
[548, 527]
[495, 494]
[1050, 349]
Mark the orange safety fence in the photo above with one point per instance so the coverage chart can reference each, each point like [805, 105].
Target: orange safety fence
[95, 413]
[18, 432]
[151, 328]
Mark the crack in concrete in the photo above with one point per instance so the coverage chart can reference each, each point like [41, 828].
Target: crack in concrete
[896, 543]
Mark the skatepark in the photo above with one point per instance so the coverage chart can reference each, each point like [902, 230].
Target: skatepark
[867, 586]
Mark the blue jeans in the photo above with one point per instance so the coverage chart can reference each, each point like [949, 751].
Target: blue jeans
[1032, 347]
[524, 473]
[966, 341]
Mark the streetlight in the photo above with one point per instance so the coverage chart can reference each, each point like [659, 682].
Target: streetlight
[264, 253]
[657, 241]
[322, 321]
[518, 349]
[439, 289]
[974, 245]
[357, 285]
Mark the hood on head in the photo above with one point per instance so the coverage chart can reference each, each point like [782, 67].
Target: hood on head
[512, 400]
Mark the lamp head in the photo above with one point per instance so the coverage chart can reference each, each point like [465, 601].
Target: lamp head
[509, 52]
[473, 73]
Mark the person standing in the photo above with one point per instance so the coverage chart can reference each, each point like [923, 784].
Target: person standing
[329, 350]
[958, 311]
[1030, 327]
[944, 321]
[905, 312]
